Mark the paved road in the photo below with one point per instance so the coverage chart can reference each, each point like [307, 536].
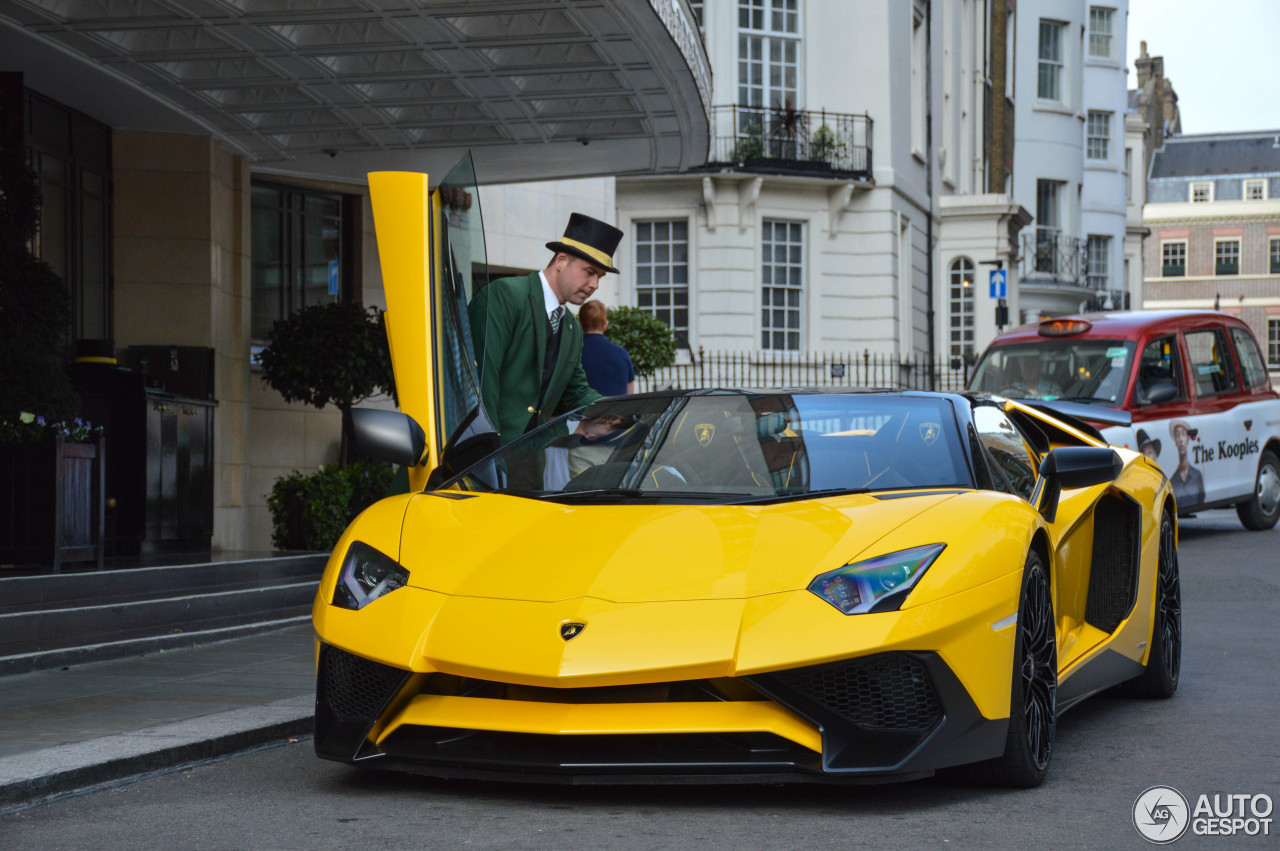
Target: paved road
[1218, 735]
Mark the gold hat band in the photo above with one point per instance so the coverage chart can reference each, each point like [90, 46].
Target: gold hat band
[594, 253]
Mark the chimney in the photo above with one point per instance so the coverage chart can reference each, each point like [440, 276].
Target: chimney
[1142, 64]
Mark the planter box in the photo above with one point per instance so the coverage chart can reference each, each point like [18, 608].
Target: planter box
[51, 503]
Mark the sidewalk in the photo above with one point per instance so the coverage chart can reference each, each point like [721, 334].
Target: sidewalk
[69, 729]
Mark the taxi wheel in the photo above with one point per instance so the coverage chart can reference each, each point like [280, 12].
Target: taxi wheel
[1263, 510]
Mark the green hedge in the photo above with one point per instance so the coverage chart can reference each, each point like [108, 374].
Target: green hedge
[311, 512]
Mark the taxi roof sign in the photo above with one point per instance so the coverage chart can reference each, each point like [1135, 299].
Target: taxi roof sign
[1064, 327]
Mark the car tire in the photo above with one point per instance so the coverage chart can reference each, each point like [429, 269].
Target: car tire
[1164, 663]
[1033, 711]
[1262, 510]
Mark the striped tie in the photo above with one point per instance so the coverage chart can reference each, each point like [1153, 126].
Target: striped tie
[555, 319]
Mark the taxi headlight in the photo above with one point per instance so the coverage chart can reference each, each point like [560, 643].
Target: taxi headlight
[879, 583]
[365, 576]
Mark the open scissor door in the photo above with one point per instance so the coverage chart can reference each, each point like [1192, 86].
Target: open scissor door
[431, 244]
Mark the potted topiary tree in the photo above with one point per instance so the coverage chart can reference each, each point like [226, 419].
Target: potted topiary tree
[328, 354]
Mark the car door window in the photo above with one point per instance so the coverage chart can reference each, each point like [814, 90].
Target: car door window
[1255, 371]
[1160, 365]
[1007, 447]
[1211, 368]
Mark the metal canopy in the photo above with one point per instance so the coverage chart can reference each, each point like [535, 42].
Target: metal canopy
[336, 88]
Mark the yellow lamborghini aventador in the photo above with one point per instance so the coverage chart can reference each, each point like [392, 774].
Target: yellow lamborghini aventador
[730, 584]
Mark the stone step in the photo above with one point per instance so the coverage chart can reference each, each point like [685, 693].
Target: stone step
[63, 590]
[63, 619]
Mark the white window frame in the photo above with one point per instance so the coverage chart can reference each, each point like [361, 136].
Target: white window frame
[776, 297]
[1051, 68]
[657, 267]
[960, 312]
[1260, 184]
[1223, 240]
[769, 39]
[1164, 244]
[1094, 140]
[1098, 262]
[1206, 185]
[1098, 36]
[1273, 255]
[1273, 343]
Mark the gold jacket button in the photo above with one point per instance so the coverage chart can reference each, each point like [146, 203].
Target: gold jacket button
[531, 409]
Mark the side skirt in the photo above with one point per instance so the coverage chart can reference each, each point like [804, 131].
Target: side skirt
[1105, 670]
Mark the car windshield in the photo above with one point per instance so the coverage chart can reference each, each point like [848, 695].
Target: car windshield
[730, 447]
[1080, 370]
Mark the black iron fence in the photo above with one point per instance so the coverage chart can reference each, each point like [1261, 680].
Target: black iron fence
[787, 139]
[842, 369]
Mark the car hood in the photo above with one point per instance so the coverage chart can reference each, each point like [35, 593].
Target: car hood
[509, 548]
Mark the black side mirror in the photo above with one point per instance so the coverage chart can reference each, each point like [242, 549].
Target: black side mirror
[1073, 467]
[388, 436]
[1160, 393]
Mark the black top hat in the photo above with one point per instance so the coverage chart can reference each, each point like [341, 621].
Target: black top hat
[590, 239]
[1143, 440]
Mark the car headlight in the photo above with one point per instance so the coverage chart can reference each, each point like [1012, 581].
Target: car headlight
[865, 585]
[365, 576]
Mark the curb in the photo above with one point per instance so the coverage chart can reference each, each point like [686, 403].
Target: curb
[33, 778]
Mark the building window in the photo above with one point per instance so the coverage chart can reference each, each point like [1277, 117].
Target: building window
[1226, 257]
[1201, 193]
[768, 53]
[960, 316]
[1255, 190]
[1273, 343]
[1173, 259]
[1048, 223]
[1098, 143]
[1275, 255]
[70, 154]
[1098, 250]
[1050, 79]
[782, 268]
[662, 273]
[298, 252]
[1128, 174]
[1101, 28]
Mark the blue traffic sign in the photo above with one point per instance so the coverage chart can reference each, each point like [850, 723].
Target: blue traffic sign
[999, 283]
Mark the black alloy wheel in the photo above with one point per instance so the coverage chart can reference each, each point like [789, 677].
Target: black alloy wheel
[1038, 644]
[1160, 678]
[1033, 711]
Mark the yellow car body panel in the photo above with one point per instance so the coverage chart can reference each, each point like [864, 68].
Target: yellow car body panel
[517, 716]
[403, 211]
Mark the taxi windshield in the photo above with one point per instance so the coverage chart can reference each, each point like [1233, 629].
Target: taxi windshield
[1078, 370]
[731, 447]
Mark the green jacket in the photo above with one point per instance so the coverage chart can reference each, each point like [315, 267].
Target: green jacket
[509, 327]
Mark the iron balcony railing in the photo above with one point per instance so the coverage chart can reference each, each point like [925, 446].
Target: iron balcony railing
[782, 139]
[1048, 257]
[708, 370]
